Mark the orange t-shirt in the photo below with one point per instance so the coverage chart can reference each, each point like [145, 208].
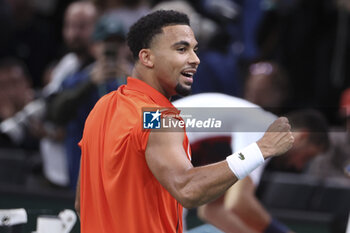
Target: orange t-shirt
[118, 191]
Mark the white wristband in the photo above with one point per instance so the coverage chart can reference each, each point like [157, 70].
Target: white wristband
[245, 161]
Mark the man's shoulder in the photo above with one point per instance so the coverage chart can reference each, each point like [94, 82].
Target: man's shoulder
[129, 104]
[138, 99]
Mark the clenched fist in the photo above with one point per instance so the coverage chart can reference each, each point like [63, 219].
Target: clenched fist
[278, 138]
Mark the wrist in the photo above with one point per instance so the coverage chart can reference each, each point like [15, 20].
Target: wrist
[265, 151]
[245, 161]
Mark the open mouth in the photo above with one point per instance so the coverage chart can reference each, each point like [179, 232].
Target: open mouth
[189, 77]
[187, 74]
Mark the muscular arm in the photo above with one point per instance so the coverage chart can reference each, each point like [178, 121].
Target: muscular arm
[194, 186]
[191, 186]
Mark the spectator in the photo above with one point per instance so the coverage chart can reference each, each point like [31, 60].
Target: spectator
[28, 37]
[311, 133]
[83, 89]
[267, 85]
[337, 158]
[15, 87]
[310, 39]
[79, 22]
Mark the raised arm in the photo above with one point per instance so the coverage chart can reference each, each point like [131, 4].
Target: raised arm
[191, 186]
[194, 186]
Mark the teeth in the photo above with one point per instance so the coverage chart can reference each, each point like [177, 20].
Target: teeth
[188, 74]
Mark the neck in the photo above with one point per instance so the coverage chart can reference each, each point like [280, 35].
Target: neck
[144, 74]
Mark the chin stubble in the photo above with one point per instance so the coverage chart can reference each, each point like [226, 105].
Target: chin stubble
[182, 91]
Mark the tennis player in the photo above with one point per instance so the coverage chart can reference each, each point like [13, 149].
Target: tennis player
[137, 180]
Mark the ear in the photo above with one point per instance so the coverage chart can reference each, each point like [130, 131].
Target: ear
[146, 58]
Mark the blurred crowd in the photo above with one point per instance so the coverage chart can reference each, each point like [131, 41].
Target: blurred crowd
[57, 58]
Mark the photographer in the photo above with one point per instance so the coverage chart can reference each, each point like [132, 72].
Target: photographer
[82, 90]
[31, 122]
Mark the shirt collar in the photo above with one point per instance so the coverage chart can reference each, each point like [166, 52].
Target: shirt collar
[156, 96]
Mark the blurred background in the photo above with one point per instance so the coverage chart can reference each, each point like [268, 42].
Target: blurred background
[58, 57]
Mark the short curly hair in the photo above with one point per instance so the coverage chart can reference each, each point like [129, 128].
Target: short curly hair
[143, 31]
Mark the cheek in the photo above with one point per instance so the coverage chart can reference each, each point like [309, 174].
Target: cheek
[169, 64]
[165, 66]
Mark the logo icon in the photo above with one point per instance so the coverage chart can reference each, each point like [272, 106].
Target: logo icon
[151, 120]
[241, 156]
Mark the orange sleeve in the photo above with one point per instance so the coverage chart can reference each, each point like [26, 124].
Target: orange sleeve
[144, 139]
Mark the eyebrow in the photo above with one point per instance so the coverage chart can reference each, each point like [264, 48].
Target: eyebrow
[185, 43]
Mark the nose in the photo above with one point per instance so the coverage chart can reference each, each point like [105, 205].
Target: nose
[194, 59]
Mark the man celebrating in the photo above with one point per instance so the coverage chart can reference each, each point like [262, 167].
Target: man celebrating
[137, 180]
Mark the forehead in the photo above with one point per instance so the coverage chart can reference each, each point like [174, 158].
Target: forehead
[80, 12]
[175, 33]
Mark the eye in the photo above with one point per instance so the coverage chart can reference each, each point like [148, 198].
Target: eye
[181, 49]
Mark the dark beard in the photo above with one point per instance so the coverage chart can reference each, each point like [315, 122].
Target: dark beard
[180, 90]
